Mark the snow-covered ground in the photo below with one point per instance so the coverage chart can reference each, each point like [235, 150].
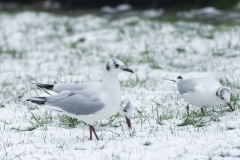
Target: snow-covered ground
[212, 14]
[45, 48]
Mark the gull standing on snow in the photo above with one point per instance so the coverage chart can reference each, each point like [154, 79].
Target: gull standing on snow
[91, 103]
[125, 108]
[202, 92]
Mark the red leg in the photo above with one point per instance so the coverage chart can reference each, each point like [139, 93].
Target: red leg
[93, 129]
[90, 128]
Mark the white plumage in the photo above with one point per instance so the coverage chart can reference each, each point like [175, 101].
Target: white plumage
[88, 101]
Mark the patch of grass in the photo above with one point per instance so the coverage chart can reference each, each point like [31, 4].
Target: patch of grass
[162, 113]
[113, 120]
[68, 27]
[218, 54]
[25, 129]
[180, 50]
[67, 121]
[132, 23]
[14, 53]
[235, 100]
[136, 81]
[238, 147]
[234, 84]
[40, 120]
[230, 128]
[147, 143]
[193, 122]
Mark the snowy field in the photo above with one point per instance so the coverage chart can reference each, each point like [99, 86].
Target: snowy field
[46, 48]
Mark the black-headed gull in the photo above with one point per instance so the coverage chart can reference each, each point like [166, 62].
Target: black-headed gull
[202, 92]
[88, 104]
[125, 108]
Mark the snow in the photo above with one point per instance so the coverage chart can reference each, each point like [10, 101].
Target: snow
[108, 9]
[47, 4]
[210, 13]
[123, 7]
[50, 4]
[45, 48]
[153, 13]
[118, 9]
[237, 7]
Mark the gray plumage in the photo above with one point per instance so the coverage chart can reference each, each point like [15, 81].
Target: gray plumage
[79, 103]
[75, 87]
[186, 85]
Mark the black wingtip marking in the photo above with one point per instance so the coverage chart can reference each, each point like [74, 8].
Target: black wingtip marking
[45, 86]
[36, 102]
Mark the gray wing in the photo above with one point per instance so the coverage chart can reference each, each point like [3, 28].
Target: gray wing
[187, 85]
[75, 86]
[79, 103]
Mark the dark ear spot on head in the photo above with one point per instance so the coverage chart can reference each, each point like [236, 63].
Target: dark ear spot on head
[179, 77]
[108, 67]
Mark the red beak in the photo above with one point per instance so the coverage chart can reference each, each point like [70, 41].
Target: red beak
[127, 70]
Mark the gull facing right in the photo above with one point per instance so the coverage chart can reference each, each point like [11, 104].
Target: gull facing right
[95, 101]
[202, 92]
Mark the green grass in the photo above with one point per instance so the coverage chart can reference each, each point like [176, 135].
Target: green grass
[67, 121]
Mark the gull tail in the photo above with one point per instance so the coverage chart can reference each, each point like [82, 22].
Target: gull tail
[36, 100]
[45, 87]
[41, 101]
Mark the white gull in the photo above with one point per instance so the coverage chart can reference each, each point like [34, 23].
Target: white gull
[91, 103]
[203, 92]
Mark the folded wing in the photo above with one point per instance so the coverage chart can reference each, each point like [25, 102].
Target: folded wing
[75, 86]
[83, 102]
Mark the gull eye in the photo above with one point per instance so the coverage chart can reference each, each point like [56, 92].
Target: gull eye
[221, 97]
[116, 65]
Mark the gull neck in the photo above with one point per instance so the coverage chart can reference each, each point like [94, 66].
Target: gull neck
[110, 81]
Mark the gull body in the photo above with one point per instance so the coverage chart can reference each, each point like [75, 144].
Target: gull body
[94, 101]
[125, 108]
[202, 92]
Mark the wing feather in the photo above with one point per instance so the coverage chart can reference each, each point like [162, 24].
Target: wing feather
[79, 103]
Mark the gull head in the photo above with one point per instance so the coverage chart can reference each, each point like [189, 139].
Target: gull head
[224, 95]
[126, 110]
[116, 66]
[179, 78]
